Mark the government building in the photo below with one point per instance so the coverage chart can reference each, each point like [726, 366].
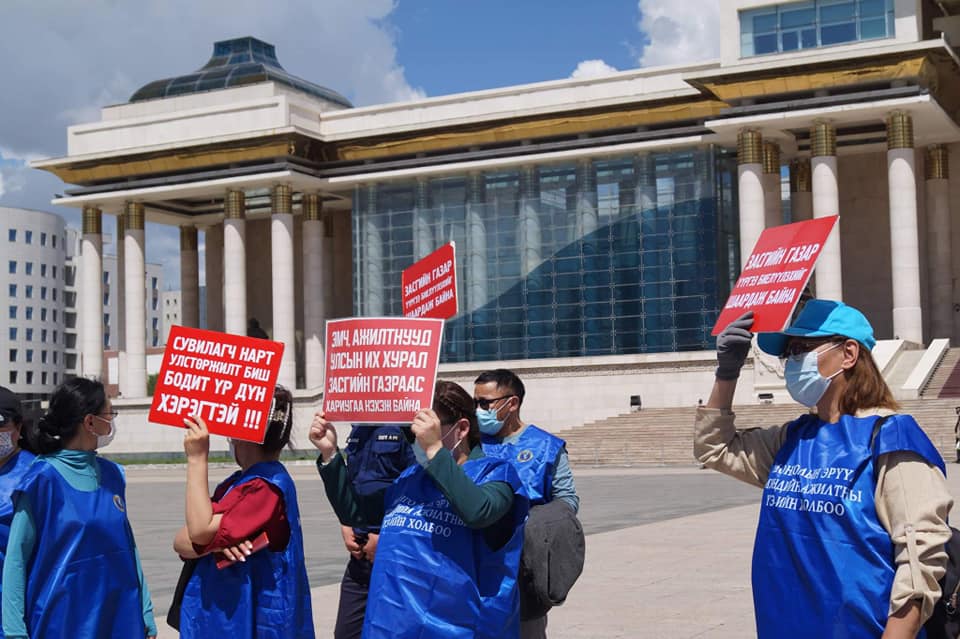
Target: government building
[599, 223]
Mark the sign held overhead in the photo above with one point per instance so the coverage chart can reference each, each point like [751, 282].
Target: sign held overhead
[429, 287]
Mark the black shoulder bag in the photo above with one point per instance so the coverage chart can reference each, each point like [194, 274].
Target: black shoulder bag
[944, 623]
[173, 614]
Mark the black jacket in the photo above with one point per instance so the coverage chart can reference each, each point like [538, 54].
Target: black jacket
[553, 554]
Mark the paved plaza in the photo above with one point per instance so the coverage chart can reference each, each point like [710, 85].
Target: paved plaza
[668, 551]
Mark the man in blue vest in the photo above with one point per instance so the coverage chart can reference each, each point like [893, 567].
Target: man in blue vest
[539, 457]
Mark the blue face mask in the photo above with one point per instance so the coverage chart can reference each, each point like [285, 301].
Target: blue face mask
[804, 382]
[488, 422]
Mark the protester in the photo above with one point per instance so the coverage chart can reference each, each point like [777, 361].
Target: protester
[850, 540]
[375, 455]
[13, 462]
[255, 330]
[72, 567]
[263, 594]
[450, 539]
[541, 460]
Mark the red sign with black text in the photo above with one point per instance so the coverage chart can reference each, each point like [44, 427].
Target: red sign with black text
[773, 278]
[380, 369]
[429, 287]
[226, 379]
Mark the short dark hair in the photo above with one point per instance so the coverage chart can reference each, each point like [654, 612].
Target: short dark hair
[503, 378]
[70, 403]
[280, 420]
[452, 403]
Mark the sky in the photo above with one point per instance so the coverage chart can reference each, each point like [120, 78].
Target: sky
[63, 60]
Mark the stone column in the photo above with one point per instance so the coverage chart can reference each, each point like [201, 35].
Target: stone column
[938, 241]
[91, 297]
[587, 216]
[281, 271]
[329, 309]
[529, 231]
[904, 236]
[826, 202]
[118, 287]
[801, 197]
[752, 208]
[772, 197]
[235, 263]
[476, 249]
[423, 242]
[189, 277]
[213, 258]
[313, 293]
[134, 383]
[373, 284]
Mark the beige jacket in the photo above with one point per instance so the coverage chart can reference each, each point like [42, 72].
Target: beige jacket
[912, 499]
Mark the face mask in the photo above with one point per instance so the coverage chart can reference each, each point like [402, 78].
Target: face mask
[804, 382]
[489, 424]
[7, 445]
[104, 440]
[421, 455]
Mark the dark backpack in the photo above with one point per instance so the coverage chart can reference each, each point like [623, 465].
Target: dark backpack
[944, 623]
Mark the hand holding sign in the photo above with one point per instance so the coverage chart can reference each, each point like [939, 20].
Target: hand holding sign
[324, 436]
[196, 443]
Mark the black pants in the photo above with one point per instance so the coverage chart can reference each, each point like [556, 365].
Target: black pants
[353, 599]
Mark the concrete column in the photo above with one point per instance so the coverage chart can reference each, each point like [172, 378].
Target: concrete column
[235, 263]
[313, 293]
[281, 271]
[826, 202]
[476, 249]
[938, 241]
[529, 231]
[134, 383]
[772, 197]
[801, 197]
[189, 277]
[423, 242]
[213, 259]
[750, 171]
[118, 290]
[91, 299]
[904, 234]
[373, 284]
[329, 309]
[587, 216]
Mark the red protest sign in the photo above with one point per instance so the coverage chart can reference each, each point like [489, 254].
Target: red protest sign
[380, 369]
[776, 273]
[430, 286]
[228, 380]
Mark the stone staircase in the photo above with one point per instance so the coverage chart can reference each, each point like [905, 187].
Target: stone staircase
[945, 381]
[664, 436]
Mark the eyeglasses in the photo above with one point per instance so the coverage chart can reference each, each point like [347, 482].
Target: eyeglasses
[798, 348]
[112, 414]
[484, 404]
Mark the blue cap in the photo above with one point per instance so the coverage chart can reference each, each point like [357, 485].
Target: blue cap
[821, 318]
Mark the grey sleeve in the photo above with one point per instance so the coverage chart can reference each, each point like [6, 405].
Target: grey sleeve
[563, 485]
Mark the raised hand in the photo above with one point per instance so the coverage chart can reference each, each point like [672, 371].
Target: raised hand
[733, 346]
[324, 436]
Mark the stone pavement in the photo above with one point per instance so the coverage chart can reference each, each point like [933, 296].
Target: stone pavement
[677, 578]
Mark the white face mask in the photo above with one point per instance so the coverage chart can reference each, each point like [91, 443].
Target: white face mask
[7, 445]
[421, 455]
[104, 440]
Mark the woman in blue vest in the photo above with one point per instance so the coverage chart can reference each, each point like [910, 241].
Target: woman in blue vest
[850, 540]
[14, 462]
[450, 540]
[72, 567]
[262, 595]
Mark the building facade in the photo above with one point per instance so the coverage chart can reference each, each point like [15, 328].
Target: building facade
[599, 222]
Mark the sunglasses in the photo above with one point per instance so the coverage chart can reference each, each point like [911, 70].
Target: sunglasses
[484, 404]
[797, 348]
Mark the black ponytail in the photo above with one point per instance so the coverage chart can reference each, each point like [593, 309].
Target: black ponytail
[70, 403]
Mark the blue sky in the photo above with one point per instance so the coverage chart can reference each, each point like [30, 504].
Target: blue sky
[61, 69]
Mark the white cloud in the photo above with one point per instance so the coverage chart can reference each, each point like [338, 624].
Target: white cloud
[592, 69]
[66, 59]
[679, 31]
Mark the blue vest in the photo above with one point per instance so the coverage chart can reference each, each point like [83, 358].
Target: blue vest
[10, 476]
[823, 564]
[266, 597]
[82, 577]
[534, 455]
[434, 577]
[376, 455]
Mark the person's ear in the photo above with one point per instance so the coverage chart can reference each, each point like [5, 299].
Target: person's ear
[463, 426]
[851, 353]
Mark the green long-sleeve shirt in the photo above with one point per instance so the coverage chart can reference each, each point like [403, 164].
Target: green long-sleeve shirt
[81, 471]
[480, 506]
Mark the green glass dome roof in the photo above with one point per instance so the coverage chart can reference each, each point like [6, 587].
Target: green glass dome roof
[235, 63]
